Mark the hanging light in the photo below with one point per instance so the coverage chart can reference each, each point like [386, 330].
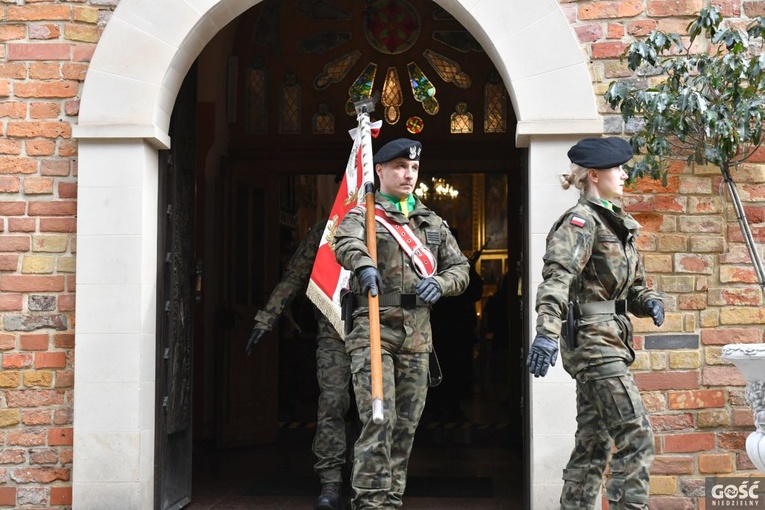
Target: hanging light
[441, 189]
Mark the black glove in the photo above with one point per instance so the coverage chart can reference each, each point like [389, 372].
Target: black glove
[428, 290]
[544, 352]
[655, 309]
[369, 280]
[255, 337]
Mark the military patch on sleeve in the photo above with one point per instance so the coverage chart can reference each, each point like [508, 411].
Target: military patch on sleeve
[577, 221]
[432, 236]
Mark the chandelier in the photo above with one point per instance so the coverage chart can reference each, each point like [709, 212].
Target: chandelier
[441, 190]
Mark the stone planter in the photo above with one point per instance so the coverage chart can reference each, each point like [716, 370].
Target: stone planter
[750, 361]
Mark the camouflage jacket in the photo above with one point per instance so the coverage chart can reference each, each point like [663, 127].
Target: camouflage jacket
[401, 329]
[591, 253]
[294, 281]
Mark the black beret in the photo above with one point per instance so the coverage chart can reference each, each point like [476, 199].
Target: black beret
[600, 153]
[399, 148]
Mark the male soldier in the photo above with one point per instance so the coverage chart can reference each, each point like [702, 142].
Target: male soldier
[407, 282]
[593, 275]
[332, 369]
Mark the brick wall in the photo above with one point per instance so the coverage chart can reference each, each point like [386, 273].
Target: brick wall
[692, 245]
[45, 47]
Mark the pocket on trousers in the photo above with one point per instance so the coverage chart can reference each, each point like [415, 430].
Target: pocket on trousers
[619, 403]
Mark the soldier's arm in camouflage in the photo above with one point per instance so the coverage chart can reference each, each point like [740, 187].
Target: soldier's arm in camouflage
[351, 241]
[453, 266]
[294, 280]
[639, 293]
[569, 247]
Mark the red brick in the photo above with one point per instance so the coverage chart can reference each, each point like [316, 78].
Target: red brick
[686, 443]
[17, 360]
[39, 13]
[723, 336]
[9, 262]
[41, 148]
[60, 436]
[58, 225]
[60, 496]
[14, 243]
[722, 376]
[715, 463]
[38, 51]
[36, 89]
[63, 340]
[67, 190]
[11, 302]
[39, 129]
[9, 184]
[53, 208]
[40, 475]
[18, 165]
[31, 283]
[743, 418]
[13, 209]
[55, 167]
[34, 342]
[66, 302]
[649, 381]
[50, 360]
[37, 186]
[22, 224]
[8, 496]
[664, 422]
[673, 465]
[696, 399]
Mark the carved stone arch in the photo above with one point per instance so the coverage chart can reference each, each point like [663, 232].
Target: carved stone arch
[133, 79]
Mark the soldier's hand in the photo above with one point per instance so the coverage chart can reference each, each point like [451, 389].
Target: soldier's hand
[369, 280]
[428, 290]
[655, 309]
[255, 337]
[544, 352]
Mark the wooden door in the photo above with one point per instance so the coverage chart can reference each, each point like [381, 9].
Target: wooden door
[175, 305]
[248, 385]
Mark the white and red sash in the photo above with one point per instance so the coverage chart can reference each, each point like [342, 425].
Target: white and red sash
[422, 258]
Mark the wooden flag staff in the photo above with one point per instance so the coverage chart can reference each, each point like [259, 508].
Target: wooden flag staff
[363, 108]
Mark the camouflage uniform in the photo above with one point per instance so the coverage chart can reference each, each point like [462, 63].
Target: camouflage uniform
[332, 360]
[592, 249]
[381, 453]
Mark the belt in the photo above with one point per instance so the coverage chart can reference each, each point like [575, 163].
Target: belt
[402, 300]
[612, 307]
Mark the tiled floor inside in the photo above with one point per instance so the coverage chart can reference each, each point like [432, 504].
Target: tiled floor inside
[474, 464]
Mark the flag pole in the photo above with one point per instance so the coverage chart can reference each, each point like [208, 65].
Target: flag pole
[363, 108]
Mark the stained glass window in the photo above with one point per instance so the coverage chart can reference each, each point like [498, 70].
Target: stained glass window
[461, 120]
[361, 88]
[423, 89]
[392, 96]
[323, 120]
[289, 105]
[495, 105]
[257, 111]
[447, 69]
[335, 70]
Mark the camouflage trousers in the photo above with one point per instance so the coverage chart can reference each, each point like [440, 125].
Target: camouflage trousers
[381, 453]
[333, 371]
[610, 412]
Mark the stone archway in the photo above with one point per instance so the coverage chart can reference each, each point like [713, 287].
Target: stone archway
[124, 117]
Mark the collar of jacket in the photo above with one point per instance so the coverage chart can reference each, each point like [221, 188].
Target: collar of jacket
[617, 213]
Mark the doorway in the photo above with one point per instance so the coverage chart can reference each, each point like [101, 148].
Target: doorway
[468, 455]
[272, 176]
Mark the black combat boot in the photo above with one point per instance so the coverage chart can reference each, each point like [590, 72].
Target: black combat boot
[329, 499]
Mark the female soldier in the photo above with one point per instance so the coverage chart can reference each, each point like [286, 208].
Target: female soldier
[592, 269]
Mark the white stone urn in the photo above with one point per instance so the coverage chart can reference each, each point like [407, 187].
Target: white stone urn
[750, 361]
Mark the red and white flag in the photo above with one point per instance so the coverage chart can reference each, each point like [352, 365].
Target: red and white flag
[328, 278]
